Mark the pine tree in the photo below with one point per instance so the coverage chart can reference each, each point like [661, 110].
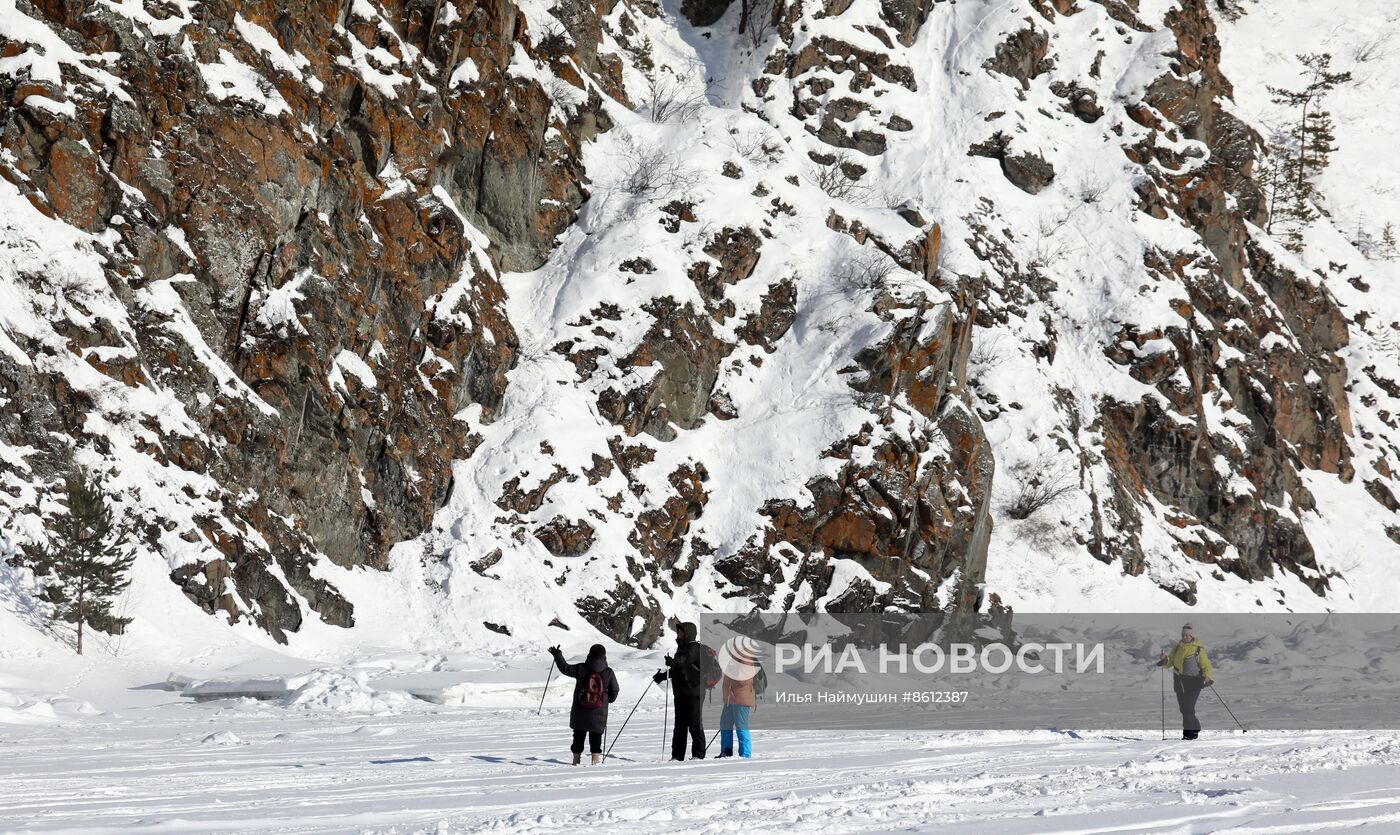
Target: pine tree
[1389, 247]
[85, 564]
[1363, 240]
[1290, 208]
[643, 58]
[1313, 130]
[1311, 141]
[1272, 179]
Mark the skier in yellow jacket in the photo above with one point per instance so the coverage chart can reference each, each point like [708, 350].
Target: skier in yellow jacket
[1191, 673]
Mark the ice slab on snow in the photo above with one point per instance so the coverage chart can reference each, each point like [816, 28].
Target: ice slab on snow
[276, 687]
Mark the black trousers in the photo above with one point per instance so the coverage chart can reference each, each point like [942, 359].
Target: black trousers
[1188, 690]
[595, 742]
[689, 719]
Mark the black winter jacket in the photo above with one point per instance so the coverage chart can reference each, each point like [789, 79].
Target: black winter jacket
[687, 669]
[580, 717]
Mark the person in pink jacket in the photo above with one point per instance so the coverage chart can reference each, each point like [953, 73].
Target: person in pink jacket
[740, 686]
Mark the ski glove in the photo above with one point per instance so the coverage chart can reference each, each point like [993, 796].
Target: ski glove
[659, 677]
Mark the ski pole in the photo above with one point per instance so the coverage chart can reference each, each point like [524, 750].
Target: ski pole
[665, 717]
[547, 679]
[1164, 704]
[628, 719]
[1227, 708]
[711, 742]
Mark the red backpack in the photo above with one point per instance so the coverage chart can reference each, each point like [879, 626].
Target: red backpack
[595, 693]
[712, 669]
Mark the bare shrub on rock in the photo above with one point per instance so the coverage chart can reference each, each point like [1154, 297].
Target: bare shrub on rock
[1039, 484]
[652, 172]
[677, 95]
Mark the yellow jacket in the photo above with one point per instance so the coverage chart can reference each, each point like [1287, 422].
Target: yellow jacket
[1177, 657]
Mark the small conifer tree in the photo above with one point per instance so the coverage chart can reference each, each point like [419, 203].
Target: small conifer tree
[1389, 247]
[84, 567]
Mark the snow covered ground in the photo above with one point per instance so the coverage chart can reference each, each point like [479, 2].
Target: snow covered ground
[112, 748]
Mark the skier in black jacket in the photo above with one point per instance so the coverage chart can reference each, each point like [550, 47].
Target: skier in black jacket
[595, 687]
[687, 674]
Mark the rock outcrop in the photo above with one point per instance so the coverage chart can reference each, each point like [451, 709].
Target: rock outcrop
[299, 214]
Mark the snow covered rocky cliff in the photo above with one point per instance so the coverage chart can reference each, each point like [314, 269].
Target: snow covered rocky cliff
[475, 321]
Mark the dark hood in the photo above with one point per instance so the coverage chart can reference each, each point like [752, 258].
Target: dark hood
[595, 663]
[688, 632]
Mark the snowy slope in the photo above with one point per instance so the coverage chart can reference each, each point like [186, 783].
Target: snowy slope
[788, 407]
[1065, 277]
[266, 513]
[793, 316]
[1260, 49]
[1360, 194]
[1087, 240]
[1083, 238]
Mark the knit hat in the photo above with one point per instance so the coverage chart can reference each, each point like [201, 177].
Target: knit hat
[1188, 631]
[597, 651]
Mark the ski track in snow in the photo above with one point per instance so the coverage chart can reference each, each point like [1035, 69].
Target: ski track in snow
[242, 766]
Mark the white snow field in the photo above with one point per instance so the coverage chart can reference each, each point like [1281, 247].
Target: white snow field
[343, 749]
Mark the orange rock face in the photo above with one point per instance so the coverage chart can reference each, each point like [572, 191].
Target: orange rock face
[322, 211]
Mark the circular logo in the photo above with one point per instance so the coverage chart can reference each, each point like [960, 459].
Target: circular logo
[738, 657]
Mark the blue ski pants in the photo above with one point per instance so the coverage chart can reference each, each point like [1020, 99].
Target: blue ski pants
[735, 718]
